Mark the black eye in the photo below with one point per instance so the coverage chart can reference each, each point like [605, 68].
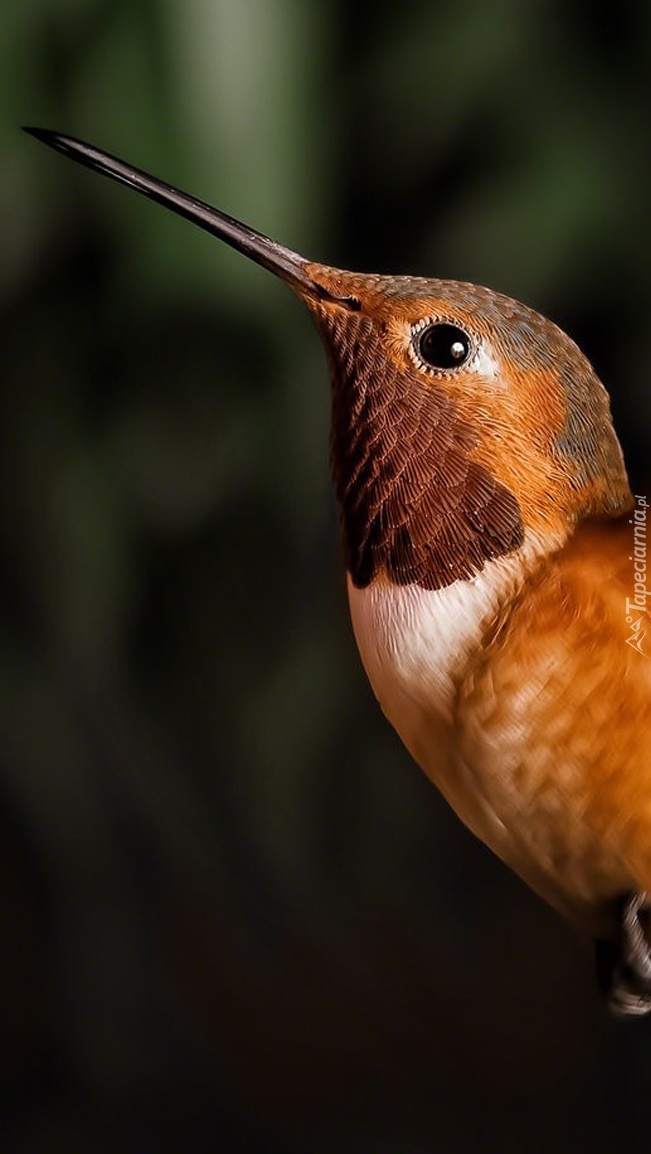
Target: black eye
[442, 346]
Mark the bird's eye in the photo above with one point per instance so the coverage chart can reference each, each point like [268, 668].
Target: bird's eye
[442, 346]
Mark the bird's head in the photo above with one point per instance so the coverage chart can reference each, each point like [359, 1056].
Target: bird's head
[462, 421]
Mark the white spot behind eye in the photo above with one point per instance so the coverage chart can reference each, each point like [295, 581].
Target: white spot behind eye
[485, 363]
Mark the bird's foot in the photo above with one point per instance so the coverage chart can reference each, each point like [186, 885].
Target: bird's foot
[630, 985]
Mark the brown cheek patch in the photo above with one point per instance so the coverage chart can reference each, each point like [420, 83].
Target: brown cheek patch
[413, 504]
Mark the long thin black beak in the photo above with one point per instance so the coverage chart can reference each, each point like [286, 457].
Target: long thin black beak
[279, 260]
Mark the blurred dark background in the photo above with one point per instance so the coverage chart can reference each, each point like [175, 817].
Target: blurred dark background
[234, 916]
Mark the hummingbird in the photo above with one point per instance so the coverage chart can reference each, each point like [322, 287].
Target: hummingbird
[495, 564]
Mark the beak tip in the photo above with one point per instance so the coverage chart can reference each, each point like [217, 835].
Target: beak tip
[45, 135]
[39, 133]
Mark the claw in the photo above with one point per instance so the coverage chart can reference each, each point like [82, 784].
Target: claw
[630, 982]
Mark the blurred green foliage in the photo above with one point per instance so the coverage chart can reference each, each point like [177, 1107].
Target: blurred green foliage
[236, 916]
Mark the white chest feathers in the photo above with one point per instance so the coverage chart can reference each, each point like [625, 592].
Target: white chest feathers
[415, 643]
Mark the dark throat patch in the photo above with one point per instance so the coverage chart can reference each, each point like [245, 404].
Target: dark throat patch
[413, 504]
